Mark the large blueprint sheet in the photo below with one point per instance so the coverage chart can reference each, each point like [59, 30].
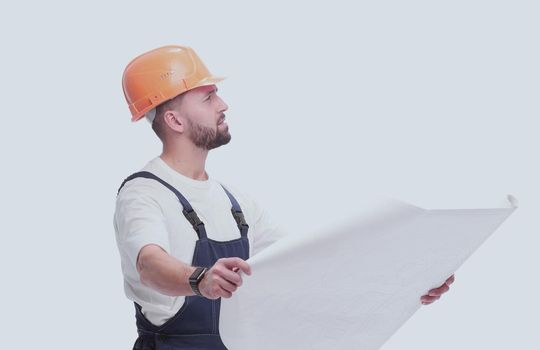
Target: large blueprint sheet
[354, 285]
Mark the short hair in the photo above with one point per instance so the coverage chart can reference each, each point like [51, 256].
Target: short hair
[158, 124]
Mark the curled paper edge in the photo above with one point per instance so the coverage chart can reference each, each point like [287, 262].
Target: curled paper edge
[512, 200]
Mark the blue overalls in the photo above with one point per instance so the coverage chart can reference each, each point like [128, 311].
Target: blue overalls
[196, 325]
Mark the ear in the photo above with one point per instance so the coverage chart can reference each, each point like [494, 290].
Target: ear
[174, 121]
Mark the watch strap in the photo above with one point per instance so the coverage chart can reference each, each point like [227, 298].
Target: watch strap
[196, 278]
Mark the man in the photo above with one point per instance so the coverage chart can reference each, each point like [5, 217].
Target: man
[177, 267]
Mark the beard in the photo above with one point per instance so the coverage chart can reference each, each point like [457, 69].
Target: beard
[207, 138]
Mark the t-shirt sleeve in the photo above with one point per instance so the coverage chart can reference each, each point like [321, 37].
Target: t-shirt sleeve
[139, 221]
[266, 231]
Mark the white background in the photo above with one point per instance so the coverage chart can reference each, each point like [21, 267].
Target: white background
[432, 102]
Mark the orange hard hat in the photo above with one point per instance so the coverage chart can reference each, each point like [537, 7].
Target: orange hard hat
[161, 74]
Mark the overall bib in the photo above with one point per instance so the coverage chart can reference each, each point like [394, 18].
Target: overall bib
[196, 325]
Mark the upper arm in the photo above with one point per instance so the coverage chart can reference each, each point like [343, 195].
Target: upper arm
[139, 223]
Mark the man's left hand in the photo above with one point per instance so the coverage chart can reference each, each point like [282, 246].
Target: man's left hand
[436, 293]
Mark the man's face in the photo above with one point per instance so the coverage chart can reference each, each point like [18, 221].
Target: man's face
[204, 114]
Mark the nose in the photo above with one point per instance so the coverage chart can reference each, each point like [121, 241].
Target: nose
[224, 106]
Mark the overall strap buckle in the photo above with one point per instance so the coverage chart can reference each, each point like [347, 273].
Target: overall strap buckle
[239, 218]
[193, 218]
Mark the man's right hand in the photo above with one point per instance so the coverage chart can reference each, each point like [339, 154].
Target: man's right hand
[222, 279]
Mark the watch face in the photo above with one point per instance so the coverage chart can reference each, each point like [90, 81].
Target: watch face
[197, 273]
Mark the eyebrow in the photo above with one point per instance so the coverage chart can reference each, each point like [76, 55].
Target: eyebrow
[211, 91]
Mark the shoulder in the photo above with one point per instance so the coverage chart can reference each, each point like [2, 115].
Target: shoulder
[251, 207]
[141, 191]
[246, 200]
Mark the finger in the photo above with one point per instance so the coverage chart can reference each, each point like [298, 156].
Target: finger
[439, 291]
[231, 263]
[450, 280]
[429, 299]
[229, 275]
[237, 264]
[224, 293]
[228, 286]
[216, 291]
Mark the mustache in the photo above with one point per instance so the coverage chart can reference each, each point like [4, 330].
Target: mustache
[221, 118]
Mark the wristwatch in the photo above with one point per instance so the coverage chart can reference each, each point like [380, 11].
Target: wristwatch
[195, 278]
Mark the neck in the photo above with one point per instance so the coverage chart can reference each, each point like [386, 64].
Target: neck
[187, 159]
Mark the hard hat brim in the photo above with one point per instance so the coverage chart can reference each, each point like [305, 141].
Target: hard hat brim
[208, 81]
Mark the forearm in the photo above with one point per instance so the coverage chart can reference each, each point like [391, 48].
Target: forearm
[164, 273]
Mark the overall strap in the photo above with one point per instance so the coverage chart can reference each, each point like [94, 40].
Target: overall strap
[187, 210]
[237, 214]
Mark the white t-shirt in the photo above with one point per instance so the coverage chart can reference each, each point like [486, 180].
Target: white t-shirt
[149, 213]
